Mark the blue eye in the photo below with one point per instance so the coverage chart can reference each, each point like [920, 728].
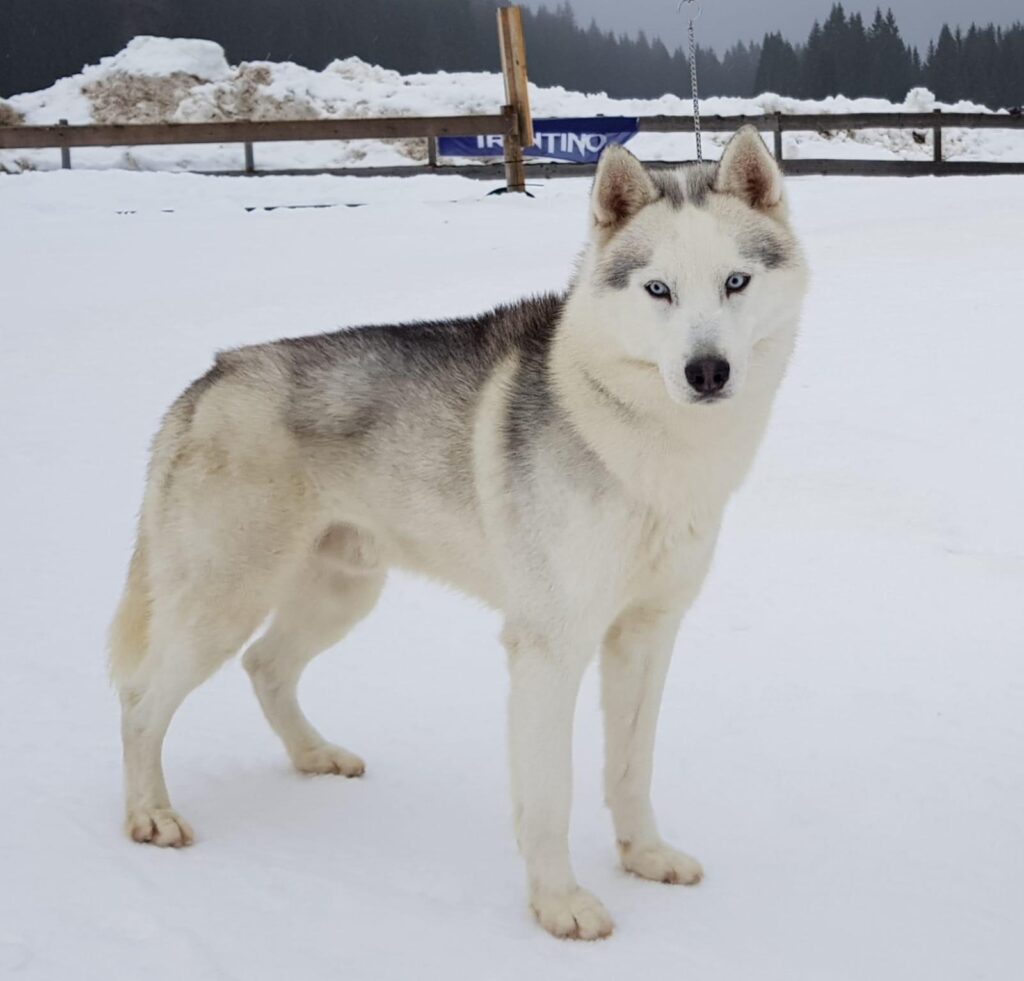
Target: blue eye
[658, 290]
[737, 283]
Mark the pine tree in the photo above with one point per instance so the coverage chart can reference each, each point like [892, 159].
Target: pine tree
[1010, 68]
[833, 42]
[891, 67]
[739, 68]
[978, 64]
[779, 67]
[816, 74]
[943, 70]
[852, 57]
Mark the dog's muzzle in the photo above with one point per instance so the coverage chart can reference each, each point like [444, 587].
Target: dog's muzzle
[708, 377]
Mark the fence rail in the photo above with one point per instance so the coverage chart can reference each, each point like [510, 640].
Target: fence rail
[248, 133]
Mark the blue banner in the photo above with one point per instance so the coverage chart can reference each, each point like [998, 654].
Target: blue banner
[577, 140]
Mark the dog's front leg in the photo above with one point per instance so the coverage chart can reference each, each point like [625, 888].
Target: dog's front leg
[634, 661]
[545, 679]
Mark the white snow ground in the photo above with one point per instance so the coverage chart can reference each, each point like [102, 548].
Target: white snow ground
[189, 80]
[843, 730]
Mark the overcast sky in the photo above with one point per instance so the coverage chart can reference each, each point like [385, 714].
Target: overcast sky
[725, 21]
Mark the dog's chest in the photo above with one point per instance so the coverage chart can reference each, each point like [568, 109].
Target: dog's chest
[665, 555]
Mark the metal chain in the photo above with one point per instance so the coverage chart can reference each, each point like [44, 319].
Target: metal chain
[693, 13]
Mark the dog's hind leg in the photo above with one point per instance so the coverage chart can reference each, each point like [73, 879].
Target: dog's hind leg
[189, 639]
[634, 662]
[337, 587]
[226, 520]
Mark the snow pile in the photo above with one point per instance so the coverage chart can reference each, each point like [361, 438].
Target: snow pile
[185, 80]
[250, 93]
[348, 88]
[122, 97]
[9, 116]
[164, 56]
[143, 83]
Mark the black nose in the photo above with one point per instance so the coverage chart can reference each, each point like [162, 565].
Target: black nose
[707, 376]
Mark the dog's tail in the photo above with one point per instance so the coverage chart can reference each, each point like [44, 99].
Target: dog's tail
[128, 638]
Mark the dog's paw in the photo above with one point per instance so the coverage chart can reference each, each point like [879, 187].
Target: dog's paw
[572, 916]
[661, 863]
[158, 826]
[329, 758]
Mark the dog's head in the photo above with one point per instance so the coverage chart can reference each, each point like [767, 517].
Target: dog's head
[690, 269]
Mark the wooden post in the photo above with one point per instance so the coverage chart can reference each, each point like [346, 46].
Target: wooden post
[519, 132]
[778, 137]
[515, 175]
[250, 162]
[431, 151]
[937, 136]
[65, 151]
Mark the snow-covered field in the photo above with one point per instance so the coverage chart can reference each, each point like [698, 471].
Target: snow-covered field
[842, 743]
[187, 80]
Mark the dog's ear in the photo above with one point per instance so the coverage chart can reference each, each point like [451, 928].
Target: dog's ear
[748, 171]
[621, 188]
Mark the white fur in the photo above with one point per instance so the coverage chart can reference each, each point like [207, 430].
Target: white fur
[583, 571]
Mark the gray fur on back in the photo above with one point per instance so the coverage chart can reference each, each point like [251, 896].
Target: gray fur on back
[403, 398]
[351, 382]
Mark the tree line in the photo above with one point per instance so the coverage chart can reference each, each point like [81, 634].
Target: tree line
[841, 55]
[844, 56]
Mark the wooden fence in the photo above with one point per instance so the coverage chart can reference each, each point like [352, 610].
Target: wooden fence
[929, 126]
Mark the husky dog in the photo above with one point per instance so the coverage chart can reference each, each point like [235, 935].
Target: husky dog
[567, 459]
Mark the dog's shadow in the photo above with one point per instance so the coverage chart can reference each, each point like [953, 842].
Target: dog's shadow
[328, 820]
